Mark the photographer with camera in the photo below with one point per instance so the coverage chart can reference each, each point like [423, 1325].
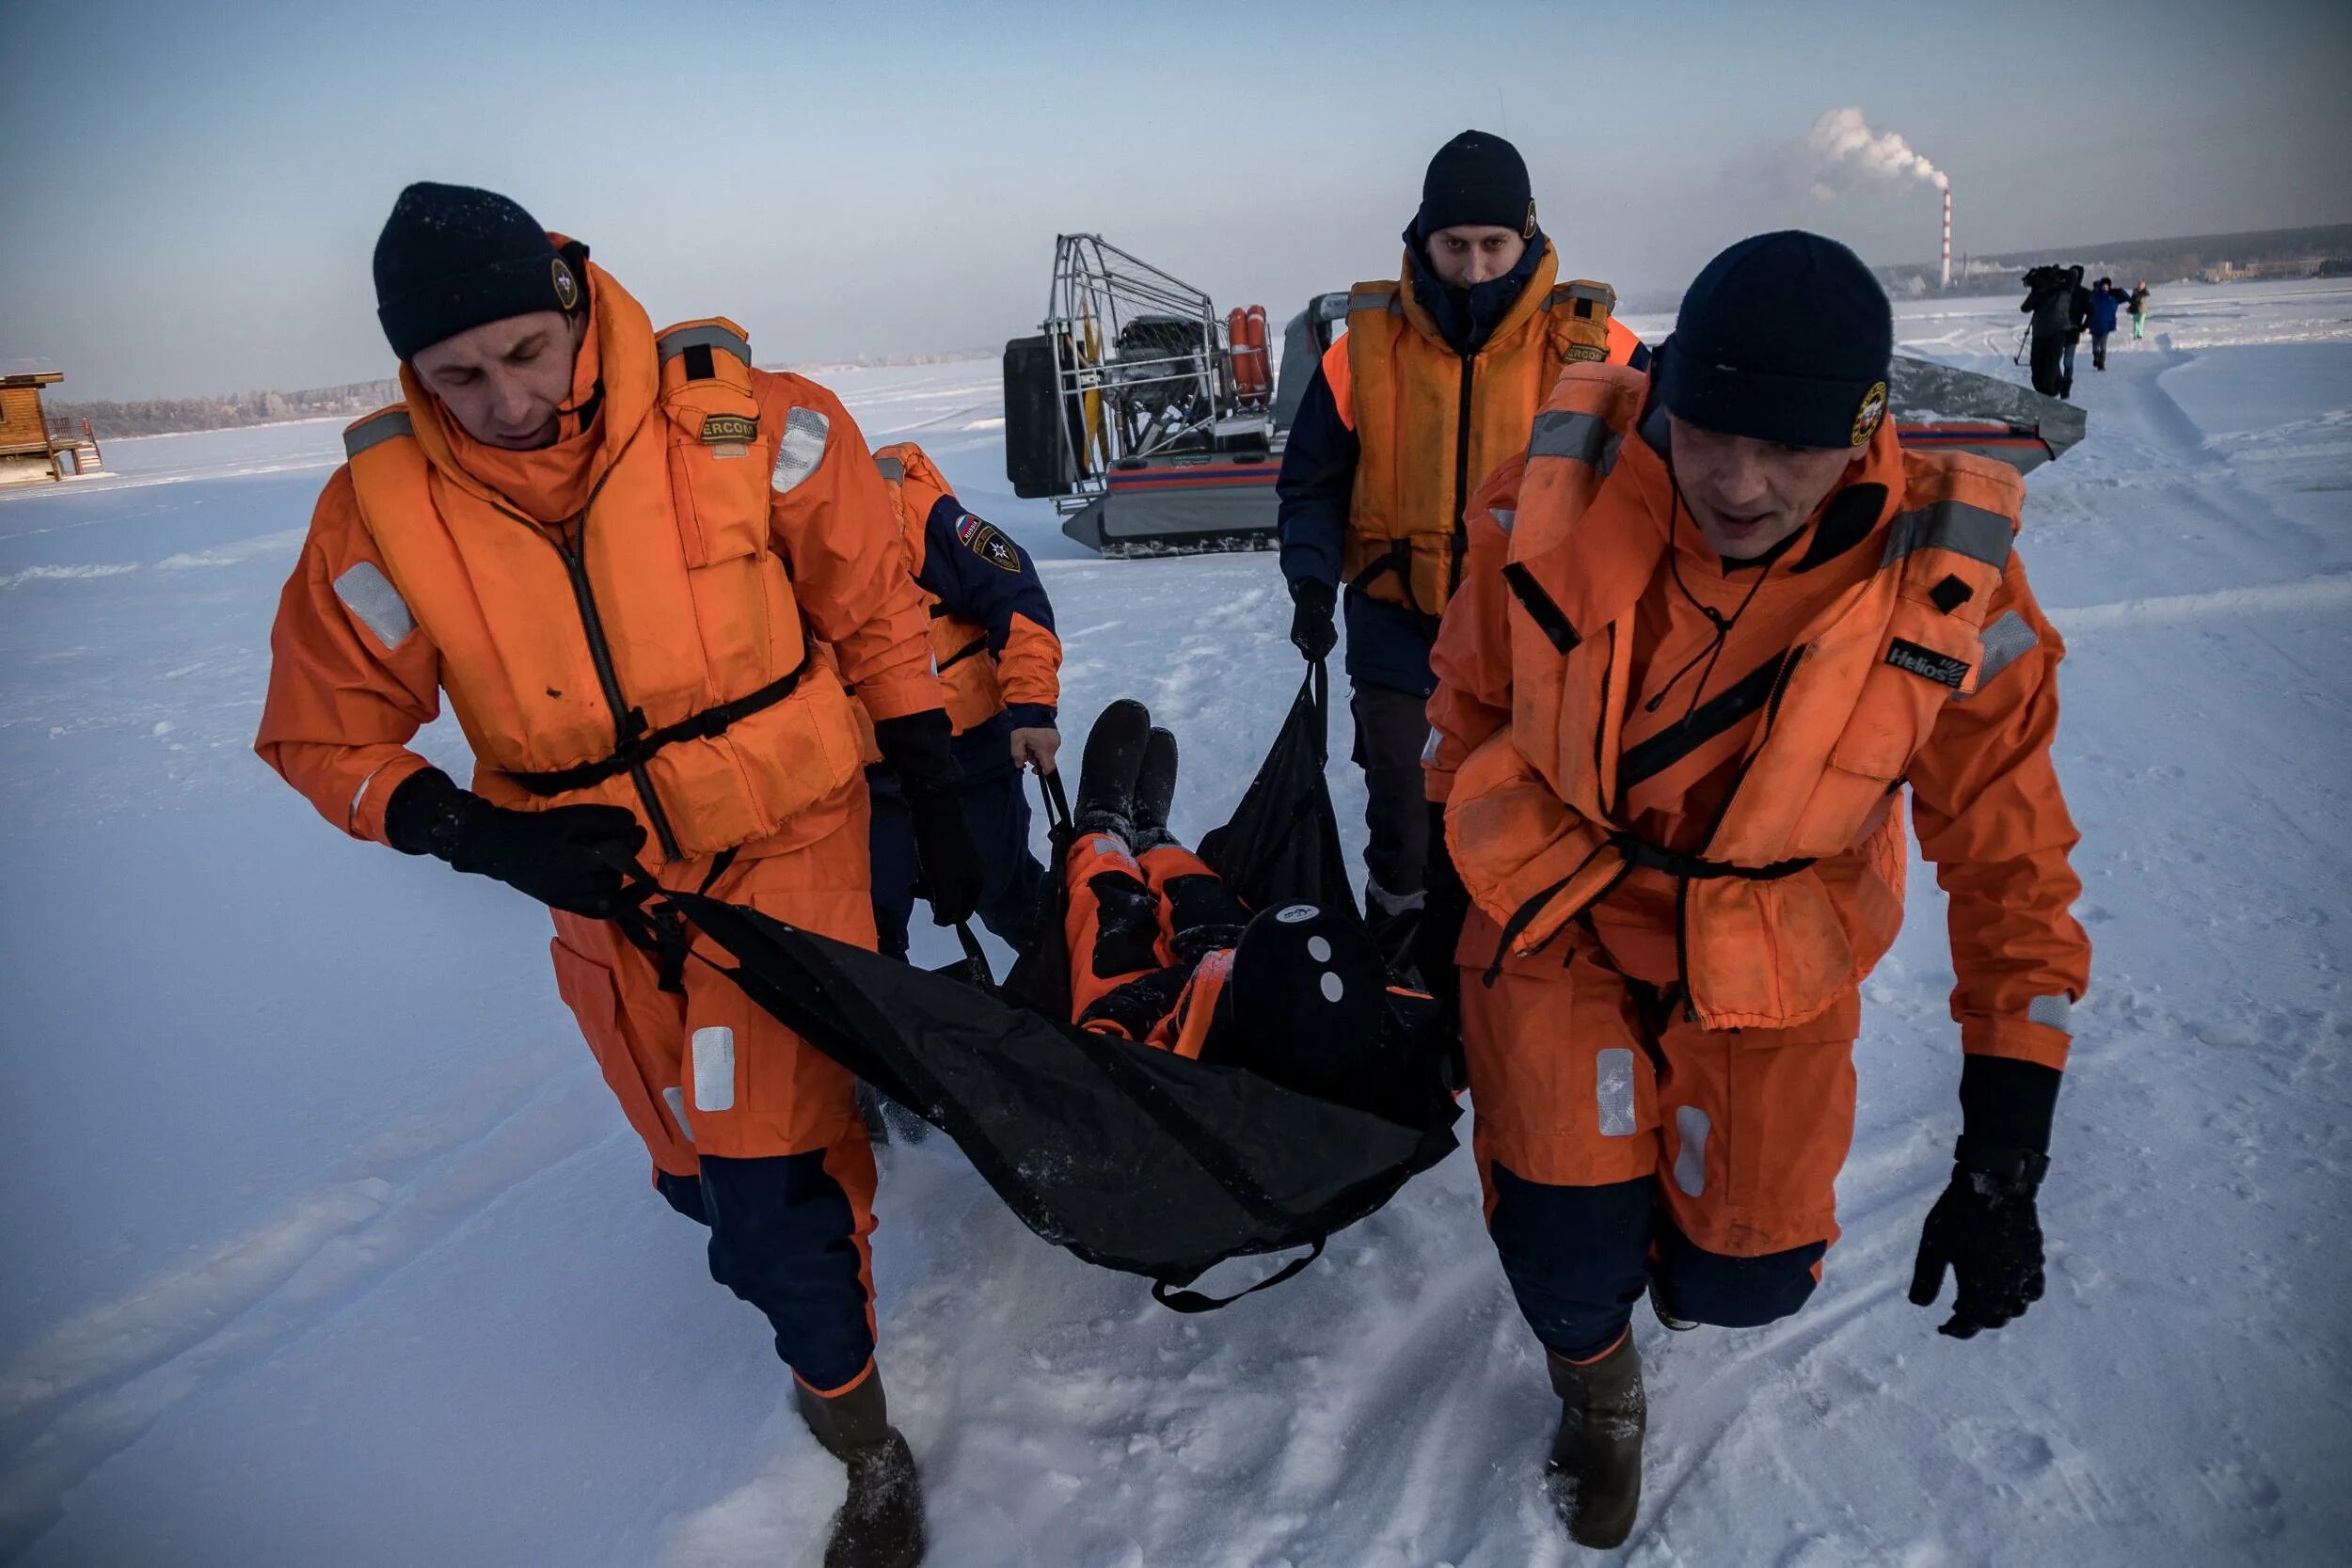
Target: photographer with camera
[2050, 292]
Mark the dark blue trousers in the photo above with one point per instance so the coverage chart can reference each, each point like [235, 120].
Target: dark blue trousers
[996, 806]
[1578, 1258]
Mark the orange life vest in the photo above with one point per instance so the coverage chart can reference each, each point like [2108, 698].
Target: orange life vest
[1767, 940]
[657, 663]
[959, 647]
[1431, 423]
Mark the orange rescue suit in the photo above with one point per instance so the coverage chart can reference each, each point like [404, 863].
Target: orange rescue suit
[648, 646]
[1737, 839]
[977, 684]
[641, 600]
[1431, 421]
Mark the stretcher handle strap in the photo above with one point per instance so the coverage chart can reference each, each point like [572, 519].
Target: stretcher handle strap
[976, 965]
[1193, 1301]
[1057, 801]
[1317, 690]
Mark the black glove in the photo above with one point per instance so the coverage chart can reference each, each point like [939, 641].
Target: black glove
[1986, 1229]
[564, 856]
[1445, 905]
[1311, 631]
[915, 747]
[1985, 1226]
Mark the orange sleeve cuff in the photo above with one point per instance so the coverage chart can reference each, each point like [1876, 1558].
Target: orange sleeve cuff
[375, 791]
[896, 696]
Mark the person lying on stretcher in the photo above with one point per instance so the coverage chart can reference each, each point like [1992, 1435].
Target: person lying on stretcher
[1163, 954]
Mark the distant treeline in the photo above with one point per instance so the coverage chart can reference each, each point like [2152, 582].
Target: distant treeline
[2271, 252]
[2188, 256]
[170, 416]
[166, 416]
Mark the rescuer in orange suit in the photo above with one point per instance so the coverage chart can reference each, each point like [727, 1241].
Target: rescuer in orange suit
[616, 551]
[1440, 372]
[1711, 624]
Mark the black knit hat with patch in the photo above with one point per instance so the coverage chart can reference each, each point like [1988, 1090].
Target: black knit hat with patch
[1784, 337]
[1476, 178]
[452, 256]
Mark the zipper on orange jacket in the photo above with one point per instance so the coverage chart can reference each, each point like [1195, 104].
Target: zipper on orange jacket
[1461, 486]
[627, 724]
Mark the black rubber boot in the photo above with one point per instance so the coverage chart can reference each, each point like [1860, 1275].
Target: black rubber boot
[1155, 791]
[1106, 777]
[1594, 1474]
[881, 1521]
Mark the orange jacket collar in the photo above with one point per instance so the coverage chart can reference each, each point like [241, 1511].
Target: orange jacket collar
[554, 482]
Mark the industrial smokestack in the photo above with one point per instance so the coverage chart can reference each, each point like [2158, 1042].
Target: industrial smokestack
[1947, 233]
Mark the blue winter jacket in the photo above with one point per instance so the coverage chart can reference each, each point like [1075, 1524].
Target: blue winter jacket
[973, 586]
[2104, 303]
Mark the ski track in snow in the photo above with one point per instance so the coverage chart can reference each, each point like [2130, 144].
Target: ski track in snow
[327, 1244]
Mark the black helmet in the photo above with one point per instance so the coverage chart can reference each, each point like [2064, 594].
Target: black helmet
[1310, 1005]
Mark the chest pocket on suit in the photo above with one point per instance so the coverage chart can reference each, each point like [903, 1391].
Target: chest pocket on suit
[719, 453]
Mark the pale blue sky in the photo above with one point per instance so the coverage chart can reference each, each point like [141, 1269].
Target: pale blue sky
[205, 181]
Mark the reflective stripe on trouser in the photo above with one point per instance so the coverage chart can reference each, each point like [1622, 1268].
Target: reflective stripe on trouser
[996, 808]
[1736, 1143]
[720, 1091]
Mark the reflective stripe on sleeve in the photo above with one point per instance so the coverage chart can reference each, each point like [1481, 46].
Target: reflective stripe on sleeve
[1955, 525]
[351, 818]
[2052, 1012]
[388, 426]
[1585, 437]
[892, 470]
[1378, 299]
[2008, 639]
[671, 344]
[368, 595]
[801, 449]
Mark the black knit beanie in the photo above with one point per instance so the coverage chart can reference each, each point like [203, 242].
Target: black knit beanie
[452, 256]
[1784, 337]
[1479, 178]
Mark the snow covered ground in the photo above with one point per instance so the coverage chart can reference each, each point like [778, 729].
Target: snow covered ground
[325, 1244]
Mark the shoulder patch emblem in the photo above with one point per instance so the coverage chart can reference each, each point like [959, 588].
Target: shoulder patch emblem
[983, 540]
[730, 434]
[1867, 418]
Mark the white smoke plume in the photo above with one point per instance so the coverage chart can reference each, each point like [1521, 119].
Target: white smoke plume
[1847, 152]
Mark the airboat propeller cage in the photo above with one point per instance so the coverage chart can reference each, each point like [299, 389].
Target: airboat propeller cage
[1143, 413]
[1147, 417]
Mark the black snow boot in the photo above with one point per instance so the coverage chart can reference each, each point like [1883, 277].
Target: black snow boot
[1155, 792]
[1106, 777]
[881, 1521]
[1595, 1475]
